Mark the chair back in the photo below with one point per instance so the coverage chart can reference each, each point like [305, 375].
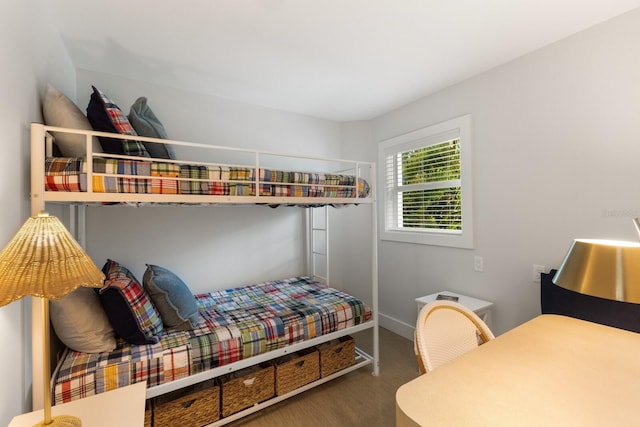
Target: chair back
[446, 330]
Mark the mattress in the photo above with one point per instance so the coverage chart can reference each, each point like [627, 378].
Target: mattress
[233, 324]
[158, 177]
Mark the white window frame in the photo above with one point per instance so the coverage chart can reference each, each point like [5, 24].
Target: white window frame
[460, 128]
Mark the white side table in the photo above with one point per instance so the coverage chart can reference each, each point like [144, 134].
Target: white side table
[120, 407]
[480, 307]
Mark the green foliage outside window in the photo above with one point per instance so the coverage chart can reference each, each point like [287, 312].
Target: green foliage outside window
[438, 168]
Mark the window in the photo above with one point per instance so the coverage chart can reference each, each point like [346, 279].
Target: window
[427, 185]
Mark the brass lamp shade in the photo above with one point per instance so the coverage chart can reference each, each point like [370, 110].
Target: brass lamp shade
[602, 268]
[44, 260]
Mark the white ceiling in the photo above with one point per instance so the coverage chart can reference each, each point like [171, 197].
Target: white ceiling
[335, 59]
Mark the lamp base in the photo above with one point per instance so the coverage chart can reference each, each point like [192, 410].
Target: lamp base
[61, 421]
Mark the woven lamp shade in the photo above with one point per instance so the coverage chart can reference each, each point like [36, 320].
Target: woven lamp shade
[44, 260]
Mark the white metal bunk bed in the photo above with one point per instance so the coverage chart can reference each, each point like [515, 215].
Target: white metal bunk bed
[77, 200]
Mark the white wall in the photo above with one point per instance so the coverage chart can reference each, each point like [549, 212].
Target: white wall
[212, 247]
[556, 137]
[351, 227]
[32, 55]
[206, 119]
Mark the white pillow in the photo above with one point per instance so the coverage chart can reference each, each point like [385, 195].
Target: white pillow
[58, 110]
[81, 323]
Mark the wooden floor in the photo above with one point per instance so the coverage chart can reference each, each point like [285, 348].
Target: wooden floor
[355, 399]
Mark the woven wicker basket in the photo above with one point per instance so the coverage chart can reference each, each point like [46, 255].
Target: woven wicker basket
[336, 355]
[245, 388]
[192, 406]
[148, 414]
[296, 370]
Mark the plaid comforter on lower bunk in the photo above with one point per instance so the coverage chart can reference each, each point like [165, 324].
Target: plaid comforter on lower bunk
[234, 324]
[152, 177]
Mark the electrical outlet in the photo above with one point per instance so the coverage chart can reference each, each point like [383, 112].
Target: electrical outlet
[478, 264]
[535, 275]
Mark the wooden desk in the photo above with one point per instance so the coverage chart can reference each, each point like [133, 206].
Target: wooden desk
[121, 407]
[550, 371]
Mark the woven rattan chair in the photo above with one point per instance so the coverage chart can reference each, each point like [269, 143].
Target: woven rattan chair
[446, 330]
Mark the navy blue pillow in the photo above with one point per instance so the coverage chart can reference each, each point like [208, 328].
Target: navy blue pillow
[128, 307]
[106, 116]
[558, 300]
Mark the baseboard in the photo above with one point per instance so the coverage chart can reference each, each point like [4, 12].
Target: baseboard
[396, 326]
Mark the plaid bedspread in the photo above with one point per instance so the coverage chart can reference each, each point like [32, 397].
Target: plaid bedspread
[234, 324]
[134, 176]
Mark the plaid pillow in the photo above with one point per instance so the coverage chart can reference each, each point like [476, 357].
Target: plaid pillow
[106, 116]
[128, 307]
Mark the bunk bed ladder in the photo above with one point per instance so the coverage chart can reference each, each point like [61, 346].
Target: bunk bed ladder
[318, 243]
[318, 263]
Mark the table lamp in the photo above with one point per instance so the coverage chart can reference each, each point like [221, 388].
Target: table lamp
[602, 268]
[43, 260]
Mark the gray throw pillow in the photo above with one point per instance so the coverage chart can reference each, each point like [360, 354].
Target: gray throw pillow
[81, 323]
[172, 298]
[60, 111]
[145, 122]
